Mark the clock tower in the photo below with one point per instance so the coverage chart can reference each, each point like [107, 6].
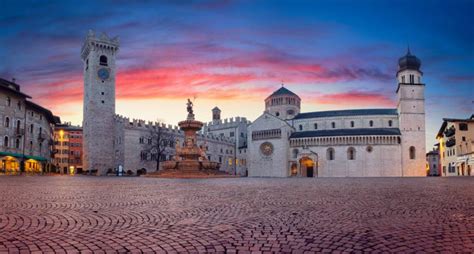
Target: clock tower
[98, 56]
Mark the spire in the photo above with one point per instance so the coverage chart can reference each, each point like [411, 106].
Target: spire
[408, 50]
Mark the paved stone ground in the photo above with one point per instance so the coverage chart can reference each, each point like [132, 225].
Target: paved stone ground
[90, 214]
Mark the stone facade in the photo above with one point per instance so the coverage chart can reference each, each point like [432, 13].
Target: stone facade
[268, 146]
[234, 129]
[26, 130]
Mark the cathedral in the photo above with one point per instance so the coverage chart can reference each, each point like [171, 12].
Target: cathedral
[282, 142]
[285, 142]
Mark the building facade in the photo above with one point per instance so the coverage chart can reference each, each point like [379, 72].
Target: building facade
[367, 142]
[68, 147]
[456, 146]
[234, 129]
[433, 162]
[26, 132]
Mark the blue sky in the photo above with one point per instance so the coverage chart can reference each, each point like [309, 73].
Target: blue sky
[334, 54]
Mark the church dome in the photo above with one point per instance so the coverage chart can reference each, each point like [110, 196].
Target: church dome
[409, 62]
[283, 91]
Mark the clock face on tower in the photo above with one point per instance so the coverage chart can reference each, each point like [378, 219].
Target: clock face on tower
[266, 148]
[103, 73]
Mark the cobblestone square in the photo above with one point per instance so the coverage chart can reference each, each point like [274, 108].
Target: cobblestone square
[80, 214]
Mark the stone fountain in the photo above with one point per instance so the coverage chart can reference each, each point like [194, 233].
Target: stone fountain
[190, 160]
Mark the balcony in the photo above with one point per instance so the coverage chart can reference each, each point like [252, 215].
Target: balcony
[450, 132]
[451, 142]
[19, 132]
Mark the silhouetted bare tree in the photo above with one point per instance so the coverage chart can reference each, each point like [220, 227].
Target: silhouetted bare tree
[159, 143]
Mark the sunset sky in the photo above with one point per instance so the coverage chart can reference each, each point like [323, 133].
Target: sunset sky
[233, 54]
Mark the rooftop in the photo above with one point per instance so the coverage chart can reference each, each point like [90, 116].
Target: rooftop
[283, 91]
[347, 132]
[12, 87]
[452, 120]
[350, 112]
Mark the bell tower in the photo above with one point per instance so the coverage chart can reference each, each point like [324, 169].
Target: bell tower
[411, 111]
[98, 56]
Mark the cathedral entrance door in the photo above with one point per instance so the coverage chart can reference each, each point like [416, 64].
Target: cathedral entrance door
[307, 167]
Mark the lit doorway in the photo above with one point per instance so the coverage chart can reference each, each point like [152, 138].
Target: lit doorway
[307, 167]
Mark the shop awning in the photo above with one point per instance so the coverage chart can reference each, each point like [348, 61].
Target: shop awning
[19, 156]
[16, 155]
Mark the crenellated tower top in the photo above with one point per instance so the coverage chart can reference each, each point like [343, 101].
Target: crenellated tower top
[102, 42]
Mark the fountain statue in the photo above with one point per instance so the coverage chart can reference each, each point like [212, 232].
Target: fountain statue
[190, 160]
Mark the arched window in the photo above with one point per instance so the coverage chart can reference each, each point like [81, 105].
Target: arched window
[31, 128]
[5, 141]
[315, 126]
[301, 127]
[7, 122]
[352, 124]
[9, 101]
[277, 113]
[351, 153]
[17, 143]
[371, 123]
[333, 125]
[103, 60]
[330, 154]
[412, 152]
[390, 123]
